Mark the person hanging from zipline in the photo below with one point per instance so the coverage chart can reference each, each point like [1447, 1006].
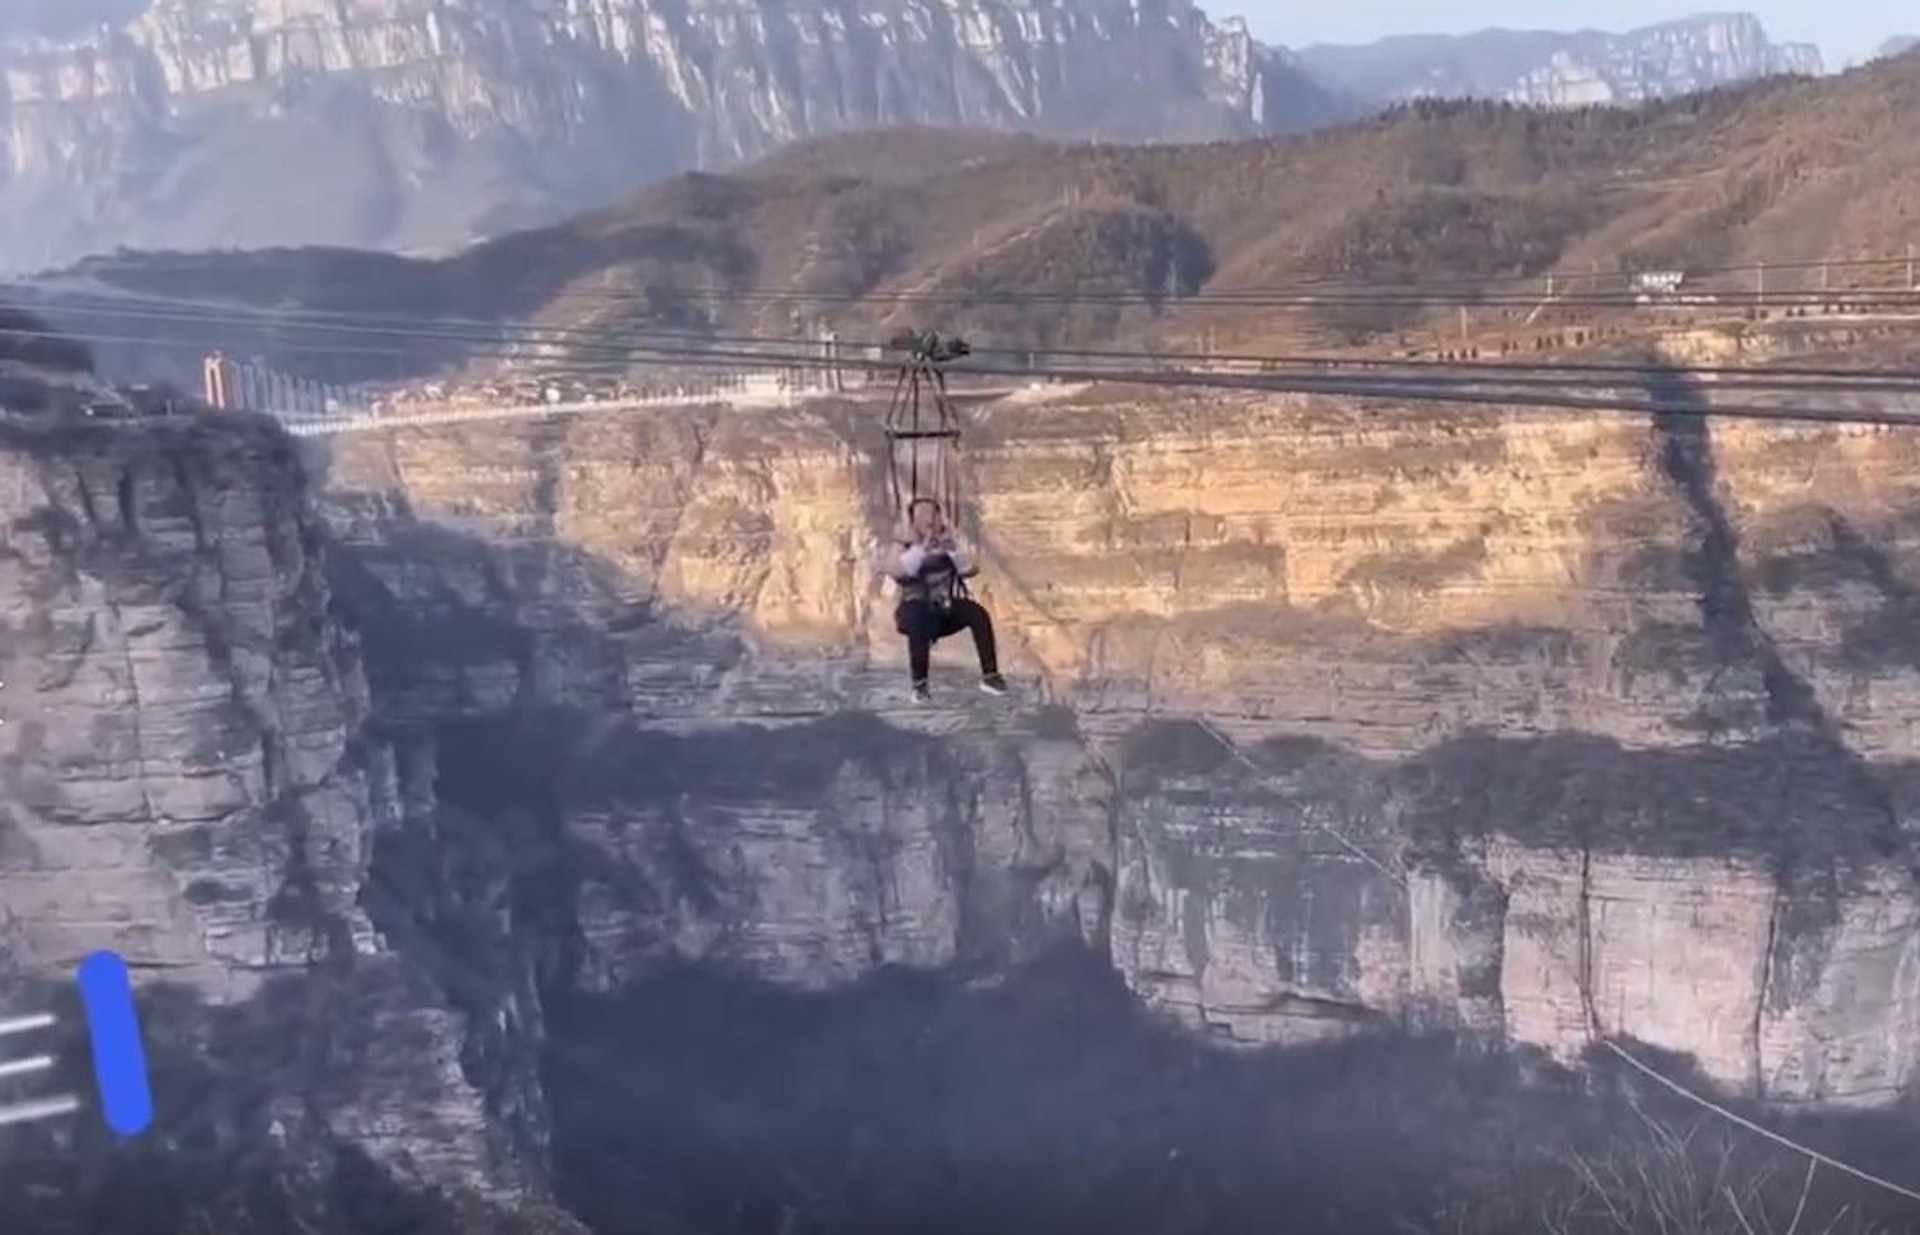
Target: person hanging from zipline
[931, 571]
[924, 478]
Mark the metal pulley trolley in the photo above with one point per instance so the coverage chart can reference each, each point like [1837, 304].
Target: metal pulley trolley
[923, 430]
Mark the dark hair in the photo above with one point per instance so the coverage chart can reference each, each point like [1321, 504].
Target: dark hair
[918, 502]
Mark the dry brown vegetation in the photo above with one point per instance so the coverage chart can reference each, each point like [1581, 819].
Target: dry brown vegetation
[1780, 171]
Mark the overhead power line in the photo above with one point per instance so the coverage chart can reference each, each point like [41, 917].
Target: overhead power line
[1564, 288]
[773, 352]
[482, 338]
[1574, 394]
[1494, 384]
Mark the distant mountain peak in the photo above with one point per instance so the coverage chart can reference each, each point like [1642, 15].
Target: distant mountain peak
[419, 124]
[1563, 68]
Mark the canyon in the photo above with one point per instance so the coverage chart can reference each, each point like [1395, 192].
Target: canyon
[521, 827]
[1501, 714]
[395, 768]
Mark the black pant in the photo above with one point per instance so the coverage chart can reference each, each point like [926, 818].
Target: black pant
[925, 623]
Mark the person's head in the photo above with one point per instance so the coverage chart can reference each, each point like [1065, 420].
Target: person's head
[924, 516]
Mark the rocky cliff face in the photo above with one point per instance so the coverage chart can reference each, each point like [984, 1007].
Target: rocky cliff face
[402, 123]
[1534, 728]
[1563, 70]
[189, 780]
[1547, 729]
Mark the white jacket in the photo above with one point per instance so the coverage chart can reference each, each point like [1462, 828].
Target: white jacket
[931, 572]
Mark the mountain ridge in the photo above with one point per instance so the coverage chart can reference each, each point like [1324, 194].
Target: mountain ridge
[1562, 68]
[400, 125]
[1783, 171]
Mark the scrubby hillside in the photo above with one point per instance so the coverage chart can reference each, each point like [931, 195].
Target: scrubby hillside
[870, 233]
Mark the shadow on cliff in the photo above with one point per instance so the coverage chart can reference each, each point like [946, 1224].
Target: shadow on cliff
[479, 627]
[1045, 1101]
[1049, 1102]
[696, 1099]
[1892, 635]
[502, 681]
[1734, 632]
[1726, 605]
[1789, 802]
[499, 676]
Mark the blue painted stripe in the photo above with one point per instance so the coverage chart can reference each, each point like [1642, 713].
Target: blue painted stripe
[119, 1060]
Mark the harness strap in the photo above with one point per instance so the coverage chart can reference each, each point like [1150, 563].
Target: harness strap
[913, 451]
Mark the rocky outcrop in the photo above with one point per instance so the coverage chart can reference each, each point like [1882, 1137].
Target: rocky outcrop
[397, 123]
[190, 782]
[144, 713]
[1546, 729]
[1562, 70]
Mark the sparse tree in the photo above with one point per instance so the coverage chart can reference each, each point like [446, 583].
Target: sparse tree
[1692, 1180]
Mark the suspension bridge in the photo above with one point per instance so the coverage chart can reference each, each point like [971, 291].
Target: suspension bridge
[312, 409]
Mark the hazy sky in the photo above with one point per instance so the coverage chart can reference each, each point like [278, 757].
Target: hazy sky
[1845, 30]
